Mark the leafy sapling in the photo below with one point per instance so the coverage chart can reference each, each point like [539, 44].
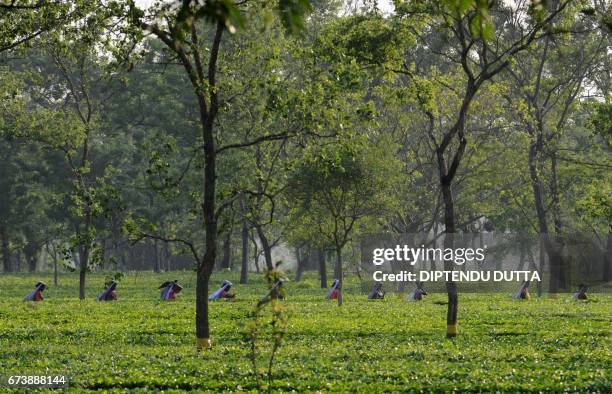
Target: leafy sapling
[269, 328]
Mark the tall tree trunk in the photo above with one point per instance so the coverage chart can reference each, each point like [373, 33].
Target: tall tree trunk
[322, 268]
[17, 261]
[226, 260]
[157, 257]
[255, 253]
[83, 260]
[6, 254]
[208, 113]
[607, 260]
[336, 268]
[166, 257]
[435, 243]
[31, 250]
[51, 252]
[451, 287]
[122, 262]
[210, 224]
[244, 266]
[536, 184]
[446, 175]
[300, 261]
[55, 271]
[266, 247]
[339, 271]
[32, 263]
[85, 250]
[542, 259]
[202, 325]
[556, 211]
[105, 252]
[521, 256]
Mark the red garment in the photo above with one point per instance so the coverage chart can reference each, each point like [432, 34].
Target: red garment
[38, 296]
[334, 295]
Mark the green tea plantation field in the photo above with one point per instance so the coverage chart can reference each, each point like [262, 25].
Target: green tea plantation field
[140, 343]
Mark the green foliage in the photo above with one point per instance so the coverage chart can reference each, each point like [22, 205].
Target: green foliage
[476, 12]
[140, 343]
[596, 201]
[22, 20]
[600, 121]
[342, 188]
[480, 21]
[369, 38]
[213, 11]
[293, 13]
[227, 12]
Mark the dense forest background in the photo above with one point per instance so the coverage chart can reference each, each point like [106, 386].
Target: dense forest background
[319, 128]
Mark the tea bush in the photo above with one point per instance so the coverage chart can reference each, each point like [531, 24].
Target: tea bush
[140, 343]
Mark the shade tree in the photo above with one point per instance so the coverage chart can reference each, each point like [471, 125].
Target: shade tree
[197, 46]
[341, 189]
[546, 89]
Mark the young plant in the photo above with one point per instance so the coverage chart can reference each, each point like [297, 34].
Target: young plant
[270, 328]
